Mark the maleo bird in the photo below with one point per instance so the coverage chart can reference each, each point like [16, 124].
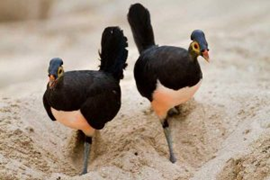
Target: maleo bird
[86, 100]
[166, 75]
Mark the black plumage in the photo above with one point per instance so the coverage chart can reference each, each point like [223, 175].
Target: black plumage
[96, 95]
[166, 75]
[93, 92]
[168, 64]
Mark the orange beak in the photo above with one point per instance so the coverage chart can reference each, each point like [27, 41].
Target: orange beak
[205, 55]
[51, 80]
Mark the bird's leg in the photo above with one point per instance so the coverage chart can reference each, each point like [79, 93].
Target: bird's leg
[86, 154]
[173, 112]
[168, 136]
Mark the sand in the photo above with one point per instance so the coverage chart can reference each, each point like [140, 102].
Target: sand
[222, 133]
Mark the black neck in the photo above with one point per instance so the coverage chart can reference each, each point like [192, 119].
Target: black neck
[59, 82]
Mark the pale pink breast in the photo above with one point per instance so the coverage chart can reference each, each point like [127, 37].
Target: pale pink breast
[165, 98]
[74, 120]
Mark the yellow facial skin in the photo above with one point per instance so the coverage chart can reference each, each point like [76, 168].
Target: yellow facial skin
[197, 50]
[60, 71]
[196, 47]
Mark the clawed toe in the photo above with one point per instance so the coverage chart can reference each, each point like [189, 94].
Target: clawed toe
[173, 112]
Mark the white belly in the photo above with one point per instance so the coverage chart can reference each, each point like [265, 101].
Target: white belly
[74, 120]
[165, 98]
[177, 97]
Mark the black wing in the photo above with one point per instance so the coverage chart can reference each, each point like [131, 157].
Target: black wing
[48, 107]
[102, 107]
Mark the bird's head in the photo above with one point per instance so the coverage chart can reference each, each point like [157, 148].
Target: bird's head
[55, 71]
[199, 45]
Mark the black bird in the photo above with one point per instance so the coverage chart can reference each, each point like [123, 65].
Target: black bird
[86, 100]
[166, 75]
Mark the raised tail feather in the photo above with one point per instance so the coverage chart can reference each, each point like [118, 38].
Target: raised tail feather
[113, 52]
[140, 23]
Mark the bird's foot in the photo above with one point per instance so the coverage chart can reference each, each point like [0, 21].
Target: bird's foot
[172, 158]
[173, 112]
[83, 172]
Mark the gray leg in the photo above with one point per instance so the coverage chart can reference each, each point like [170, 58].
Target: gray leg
[168, 136]
[86, 154]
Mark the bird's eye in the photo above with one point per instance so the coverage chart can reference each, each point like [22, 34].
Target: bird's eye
[196, 46]
[60, 70]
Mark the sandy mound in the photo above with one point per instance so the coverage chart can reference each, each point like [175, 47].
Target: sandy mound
[223, 133]
[253, 165]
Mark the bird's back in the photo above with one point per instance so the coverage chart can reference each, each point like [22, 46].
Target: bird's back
[77, 86]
